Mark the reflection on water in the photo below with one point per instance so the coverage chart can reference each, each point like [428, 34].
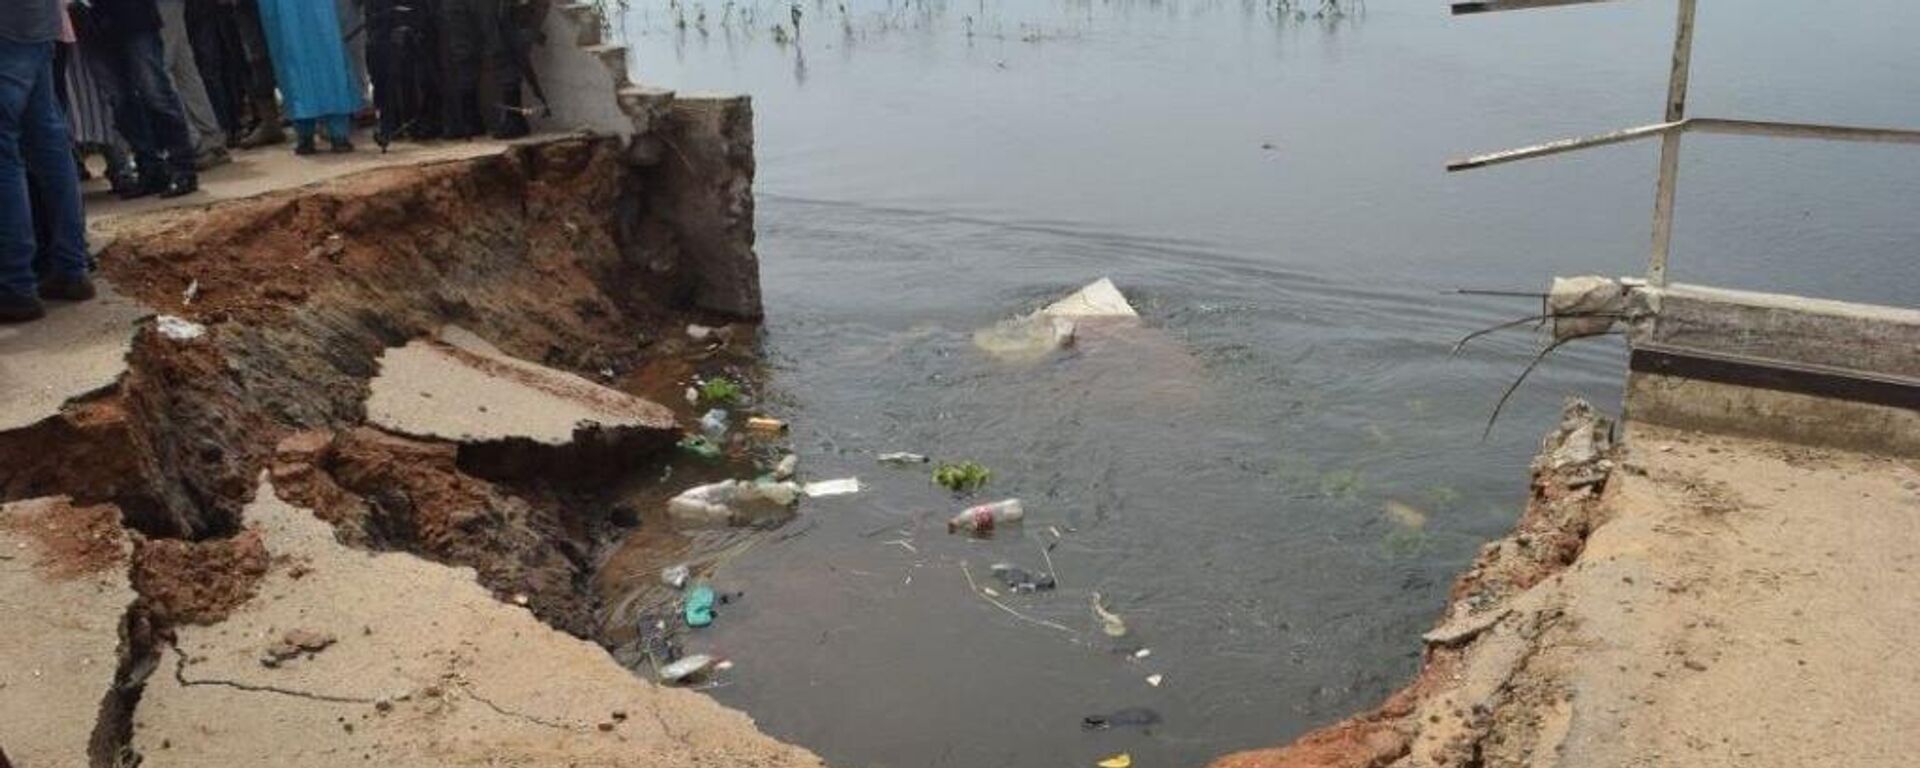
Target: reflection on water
[1275, 481]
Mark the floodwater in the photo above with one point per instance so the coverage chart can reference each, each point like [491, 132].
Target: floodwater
[1269, 190]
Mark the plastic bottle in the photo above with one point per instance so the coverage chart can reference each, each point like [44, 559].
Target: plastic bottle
[986, 517]
[714, 424]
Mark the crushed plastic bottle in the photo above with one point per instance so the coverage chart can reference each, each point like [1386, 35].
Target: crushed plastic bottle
[986, 517]
[734, 502]
[691, 666]
[675, 576]
[699, 606]
[714, 424]
[902, 459]
[788, 465]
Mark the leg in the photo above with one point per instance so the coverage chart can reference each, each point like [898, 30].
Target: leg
[260, 83]
[203, 36]
[177, 51]
[20, 65]
[460, 64]
[339, 132]
[155, 92]
[303, 137]
[108, 64]
[46, 146]
[500, 100]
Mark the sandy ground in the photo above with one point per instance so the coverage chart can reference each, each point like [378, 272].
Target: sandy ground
[421, 666]
[1736, 603]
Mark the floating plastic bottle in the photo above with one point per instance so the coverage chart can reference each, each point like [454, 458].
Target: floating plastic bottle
[986, 517]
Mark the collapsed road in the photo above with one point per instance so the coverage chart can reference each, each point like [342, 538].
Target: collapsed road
[329, 467]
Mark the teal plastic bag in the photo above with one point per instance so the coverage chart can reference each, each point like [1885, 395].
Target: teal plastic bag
[699, 606]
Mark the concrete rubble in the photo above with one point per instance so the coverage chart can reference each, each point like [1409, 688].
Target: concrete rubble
[459, 388]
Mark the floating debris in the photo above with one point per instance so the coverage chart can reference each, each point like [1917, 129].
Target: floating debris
[902, 459]
[689, 667]
[1110, 622]
[841, 487]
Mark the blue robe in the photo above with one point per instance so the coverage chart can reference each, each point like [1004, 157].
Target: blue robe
[309, 58]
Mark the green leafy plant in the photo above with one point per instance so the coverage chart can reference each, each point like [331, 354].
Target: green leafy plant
[720, 390]
[964, 477]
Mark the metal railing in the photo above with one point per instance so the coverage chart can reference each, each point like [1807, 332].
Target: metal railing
[1675, 125]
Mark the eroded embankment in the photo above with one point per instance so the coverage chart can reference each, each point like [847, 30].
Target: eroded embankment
[555, 252]
[1473, 695]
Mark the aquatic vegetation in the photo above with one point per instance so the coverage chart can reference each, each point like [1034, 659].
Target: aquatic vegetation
[720, 390]
[964, 477]
[1343, 484]
[1443, 496]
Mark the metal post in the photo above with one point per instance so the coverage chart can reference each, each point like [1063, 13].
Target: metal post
[1670, 146]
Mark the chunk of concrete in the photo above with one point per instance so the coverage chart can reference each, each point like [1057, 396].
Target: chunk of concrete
[1099, 299]
[427, 669]
[76, 350]
[461, 389]
[63, 591]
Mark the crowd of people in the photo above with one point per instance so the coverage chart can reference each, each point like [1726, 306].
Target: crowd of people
[163, 89]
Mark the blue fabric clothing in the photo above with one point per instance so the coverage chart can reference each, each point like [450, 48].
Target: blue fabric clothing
[309, 58]
[36, 148]
[338, 128]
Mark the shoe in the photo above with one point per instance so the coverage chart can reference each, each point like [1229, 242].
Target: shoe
[180, 185]
[15, 308]
[75, 288]
[340, 147]
[268, 130]
[153, 183]
[304, 147]
[211, 158]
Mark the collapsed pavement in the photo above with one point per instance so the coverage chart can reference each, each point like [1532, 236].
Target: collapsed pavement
[267, 500]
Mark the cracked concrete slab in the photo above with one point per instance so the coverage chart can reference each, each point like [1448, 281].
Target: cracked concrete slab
[76, 350]
[457, 387]
[426, 669]
[63, 591]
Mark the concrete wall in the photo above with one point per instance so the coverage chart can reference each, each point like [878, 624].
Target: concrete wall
[1817, 362]
[695, 152]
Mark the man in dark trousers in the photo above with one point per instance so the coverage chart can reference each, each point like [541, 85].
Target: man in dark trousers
[482, 49]
[122, 39]
[36, 149]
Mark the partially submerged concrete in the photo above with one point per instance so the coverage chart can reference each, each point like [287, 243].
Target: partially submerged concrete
[459, 388]
[425, 668]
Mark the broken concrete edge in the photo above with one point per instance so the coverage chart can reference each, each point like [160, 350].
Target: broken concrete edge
[1488, 604]
[79, 569]
[64, 588]
[1809, 371]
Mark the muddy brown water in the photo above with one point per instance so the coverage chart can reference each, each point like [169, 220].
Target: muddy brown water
[1269, 191]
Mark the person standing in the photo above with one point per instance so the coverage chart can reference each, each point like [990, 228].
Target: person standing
[209, 140]
[259, 67]
[122, 41]
[310, 63]
[36, 149]
[478, 37]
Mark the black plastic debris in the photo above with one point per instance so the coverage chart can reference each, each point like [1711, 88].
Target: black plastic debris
[1021, 580]
[1129, 717]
